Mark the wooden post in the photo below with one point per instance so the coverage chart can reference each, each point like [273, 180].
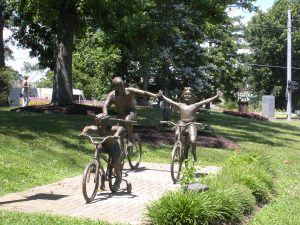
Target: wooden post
[243, 107]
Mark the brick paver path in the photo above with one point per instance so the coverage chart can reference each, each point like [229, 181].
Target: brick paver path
[149, 182]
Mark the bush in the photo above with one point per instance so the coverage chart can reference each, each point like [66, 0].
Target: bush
[213, 207]
[253, 171]
[7, 76]
[244, 181]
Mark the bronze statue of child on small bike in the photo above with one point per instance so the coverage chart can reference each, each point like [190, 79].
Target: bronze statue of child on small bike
[188, 111]
[112, 147]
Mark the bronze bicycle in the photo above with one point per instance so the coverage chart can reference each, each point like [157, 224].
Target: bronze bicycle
[180, 150]
[95, 173]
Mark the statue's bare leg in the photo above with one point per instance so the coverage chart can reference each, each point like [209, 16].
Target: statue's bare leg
[193, 138]
[117, 165]
[129, 127]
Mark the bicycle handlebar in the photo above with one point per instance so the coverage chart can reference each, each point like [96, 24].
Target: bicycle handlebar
[98, 140]
[121, 120]
[179, 125]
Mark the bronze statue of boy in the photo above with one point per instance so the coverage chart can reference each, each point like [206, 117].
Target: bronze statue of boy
[112, 147]
[125, 103]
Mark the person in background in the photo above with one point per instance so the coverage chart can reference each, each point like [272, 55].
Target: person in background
[25, 90]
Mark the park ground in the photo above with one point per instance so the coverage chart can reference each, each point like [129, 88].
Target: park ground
[39, 149]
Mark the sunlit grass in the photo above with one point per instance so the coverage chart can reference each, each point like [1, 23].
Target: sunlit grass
[38, 149]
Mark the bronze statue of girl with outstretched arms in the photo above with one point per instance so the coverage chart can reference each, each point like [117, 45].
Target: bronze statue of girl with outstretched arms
[188, 111]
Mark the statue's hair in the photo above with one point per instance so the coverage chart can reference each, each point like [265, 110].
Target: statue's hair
[102, 120]
[117, 80]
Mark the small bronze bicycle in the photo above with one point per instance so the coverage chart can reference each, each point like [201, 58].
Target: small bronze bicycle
[95, 173]
[180, 149]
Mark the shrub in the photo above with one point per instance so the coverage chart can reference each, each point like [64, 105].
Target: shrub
[253, 171]
[7, 77]
[244, 181]
[187, 173]
[213, 207]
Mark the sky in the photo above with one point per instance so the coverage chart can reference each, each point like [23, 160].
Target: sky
[22, 55]
[263, 5]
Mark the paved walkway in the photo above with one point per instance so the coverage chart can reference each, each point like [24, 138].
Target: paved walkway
[149, 182]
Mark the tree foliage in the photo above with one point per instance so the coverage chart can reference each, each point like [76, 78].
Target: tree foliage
[266, 34]
[160, 42]
[7, 78]
[94, 64]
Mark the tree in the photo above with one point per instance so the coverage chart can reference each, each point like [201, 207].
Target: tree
[185, 27]
[40, 28]
[174, 47]
[227, 70]
[2, 59]
[7, 78]
[35, 16]
[266, 34]
[94, 64]
[5, 15]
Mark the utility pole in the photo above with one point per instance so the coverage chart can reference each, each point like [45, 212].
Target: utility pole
[289, 65]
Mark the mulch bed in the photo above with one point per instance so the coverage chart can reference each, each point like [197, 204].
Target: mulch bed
[152, 135]
[158, 136]
[68, 109]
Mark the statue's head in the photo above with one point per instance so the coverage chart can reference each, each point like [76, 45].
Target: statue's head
[103, 121]
[118, 84]
[188, 95]
[26, 77]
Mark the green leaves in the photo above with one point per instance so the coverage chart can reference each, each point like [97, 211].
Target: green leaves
[266, 34]
[94, 65]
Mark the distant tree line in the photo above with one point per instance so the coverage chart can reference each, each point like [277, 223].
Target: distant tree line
[152, 44]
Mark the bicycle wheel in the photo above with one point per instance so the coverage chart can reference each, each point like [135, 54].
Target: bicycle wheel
[135, 152]
[90, 181]
[176, 162]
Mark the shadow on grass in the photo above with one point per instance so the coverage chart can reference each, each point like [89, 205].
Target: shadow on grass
[28, 127]
[263, 132]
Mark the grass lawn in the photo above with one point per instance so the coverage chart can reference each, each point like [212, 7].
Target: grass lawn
[38, 149]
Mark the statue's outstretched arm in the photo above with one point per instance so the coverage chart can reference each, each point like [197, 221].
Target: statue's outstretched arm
[170, 101]
[86, 129]
[198, 104]
[141, 92]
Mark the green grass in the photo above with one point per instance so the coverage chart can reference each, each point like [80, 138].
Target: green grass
[38, 149]
[20, 218]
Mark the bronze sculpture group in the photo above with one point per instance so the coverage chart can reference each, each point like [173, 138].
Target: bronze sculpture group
[124, 101]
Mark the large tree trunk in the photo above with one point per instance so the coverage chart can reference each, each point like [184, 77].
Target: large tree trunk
[165, 88]
[2, 55]
[62, 87]
[145, 84]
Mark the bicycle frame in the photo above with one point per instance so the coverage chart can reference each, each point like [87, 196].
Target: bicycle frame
[180, 149]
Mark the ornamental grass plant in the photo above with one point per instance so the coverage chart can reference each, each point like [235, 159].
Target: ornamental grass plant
[245, 181]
